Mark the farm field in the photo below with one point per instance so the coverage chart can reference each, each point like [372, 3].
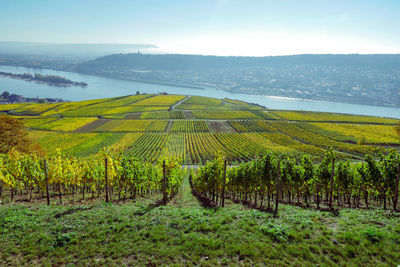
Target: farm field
[98, 196]
[162, 115]
[377, 134]
[197, 128]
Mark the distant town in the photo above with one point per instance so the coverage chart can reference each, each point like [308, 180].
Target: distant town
[7, 98]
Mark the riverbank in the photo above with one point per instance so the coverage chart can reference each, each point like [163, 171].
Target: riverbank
[100, 87]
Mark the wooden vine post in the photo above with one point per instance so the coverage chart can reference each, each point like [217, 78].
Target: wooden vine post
[223, 186]
[59, 192]
[278, 173]
[331, 189]
[106, 176]
[46, 177]
[164, 184]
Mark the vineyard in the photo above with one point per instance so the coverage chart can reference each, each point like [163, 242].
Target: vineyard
[237, 130]
[163, 115]
[189, 127]
[300, 188]
[195, 128]
[273, 178]
[330, 117]
[107, 174]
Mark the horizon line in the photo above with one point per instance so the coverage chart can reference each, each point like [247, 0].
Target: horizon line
[149, 45]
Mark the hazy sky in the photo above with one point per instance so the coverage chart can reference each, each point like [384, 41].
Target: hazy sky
[219, 27]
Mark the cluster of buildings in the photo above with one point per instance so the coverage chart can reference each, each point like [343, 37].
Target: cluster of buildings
[7, 98]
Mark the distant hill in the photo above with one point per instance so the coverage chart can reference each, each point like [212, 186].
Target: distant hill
[361, 79]
[68, 50]
[197, 62]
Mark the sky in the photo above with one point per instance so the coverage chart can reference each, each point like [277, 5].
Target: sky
[210, 27]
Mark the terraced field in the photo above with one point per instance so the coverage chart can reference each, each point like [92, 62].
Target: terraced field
[195, 129]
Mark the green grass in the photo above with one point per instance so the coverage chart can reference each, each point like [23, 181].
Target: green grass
[185, 233]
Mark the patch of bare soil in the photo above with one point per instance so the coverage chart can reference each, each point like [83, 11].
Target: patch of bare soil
[169, 126]
[220, 127]
[91, 126]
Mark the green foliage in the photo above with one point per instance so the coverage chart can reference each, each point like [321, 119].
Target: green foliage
[63, 239]
[256, 179]
[373, 234]
[174, 174]
[18, 171]
[210, 176]
[279, 233]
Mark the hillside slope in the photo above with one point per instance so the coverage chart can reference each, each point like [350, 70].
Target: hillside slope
[195, 128]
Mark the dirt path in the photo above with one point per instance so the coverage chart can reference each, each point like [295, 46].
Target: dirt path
[169, 126]
[180, 102]
[185, 198]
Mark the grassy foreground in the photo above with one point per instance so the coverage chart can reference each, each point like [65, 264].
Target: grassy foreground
[185, 233]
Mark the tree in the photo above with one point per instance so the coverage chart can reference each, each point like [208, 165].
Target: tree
[12, 135]
[5, 94]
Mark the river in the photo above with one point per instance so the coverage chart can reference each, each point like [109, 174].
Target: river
[100, 87]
